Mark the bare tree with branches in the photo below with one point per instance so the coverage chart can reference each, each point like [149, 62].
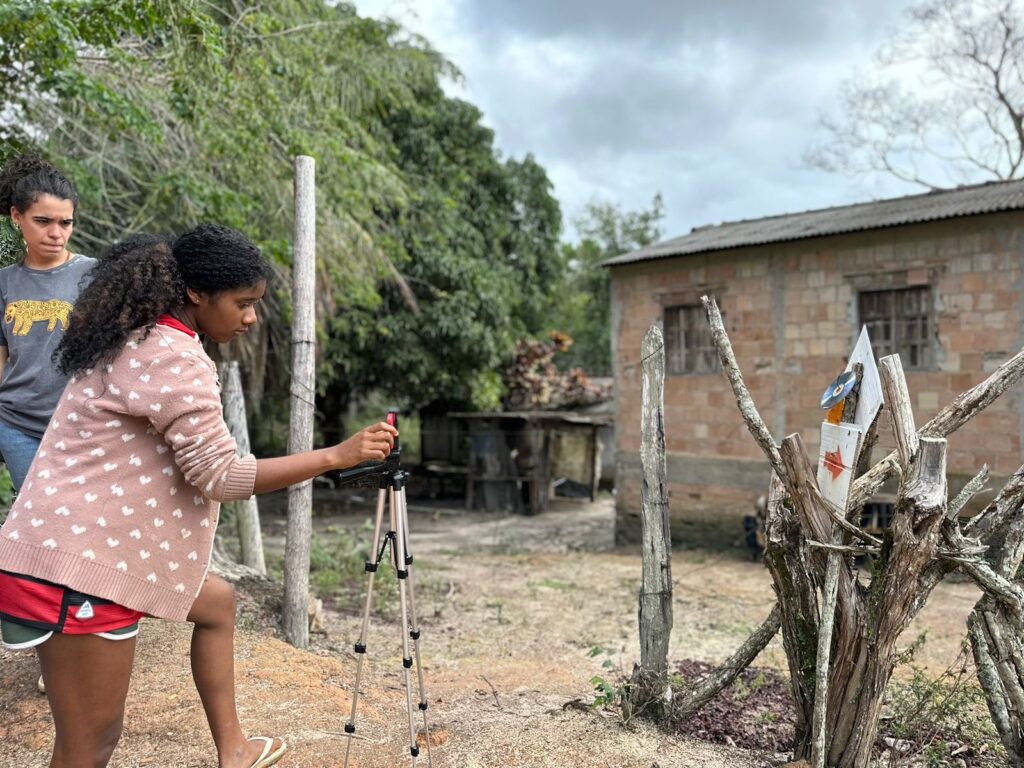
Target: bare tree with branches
[945, 103]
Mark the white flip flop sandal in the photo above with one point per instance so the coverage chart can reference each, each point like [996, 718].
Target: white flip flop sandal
[269, 755]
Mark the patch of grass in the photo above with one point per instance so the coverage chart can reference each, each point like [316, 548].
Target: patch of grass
[337, 571]
[557, 584]
[932, 713]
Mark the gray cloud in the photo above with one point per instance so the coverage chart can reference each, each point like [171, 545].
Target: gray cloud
[710, 103]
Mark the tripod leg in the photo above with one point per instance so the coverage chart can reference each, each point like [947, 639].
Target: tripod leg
[360, 646]
[402, 571]
[415, 632]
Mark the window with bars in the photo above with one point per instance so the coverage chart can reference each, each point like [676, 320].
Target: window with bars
[688, 344]
[900, 322]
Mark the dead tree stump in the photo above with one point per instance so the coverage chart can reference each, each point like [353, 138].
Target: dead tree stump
[925, 542]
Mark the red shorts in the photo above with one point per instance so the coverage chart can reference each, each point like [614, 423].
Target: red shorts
[52, 607]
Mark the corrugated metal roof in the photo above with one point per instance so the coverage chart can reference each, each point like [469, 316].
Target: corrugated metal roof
[990, 197]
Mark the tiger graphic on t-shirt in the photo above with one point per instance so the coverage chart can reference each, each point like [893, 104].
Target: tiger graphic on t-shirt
[26, 312]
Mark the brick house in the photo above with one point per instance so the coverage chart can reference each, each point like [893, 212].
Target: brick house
[937, 277]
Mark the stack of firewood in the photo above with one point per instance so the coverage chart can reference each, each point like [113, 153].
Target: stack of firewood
[534, 382]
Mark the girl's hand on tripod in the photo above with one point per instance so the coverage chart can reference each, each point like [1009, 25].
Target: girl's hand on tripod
[372, 443]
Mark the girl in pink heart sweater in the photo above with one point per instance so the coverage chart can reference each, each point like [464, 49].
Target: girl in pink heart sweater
[117, 516]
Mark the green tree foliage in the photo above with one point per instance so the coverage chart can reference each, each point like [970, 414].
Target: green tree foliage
[584, 313]
[434, 253]
[478, 256]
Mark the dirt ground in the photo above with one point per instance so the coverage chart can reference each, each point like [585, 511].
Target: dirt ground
[509, 607]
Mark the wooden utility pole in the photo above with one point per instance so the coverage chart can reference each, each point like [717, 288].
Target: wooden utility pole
[300, 432]
[650, 684]
[247, 512]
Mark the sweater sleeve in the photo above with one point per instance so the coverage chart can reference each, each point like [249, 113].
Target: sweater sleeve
[179, 396]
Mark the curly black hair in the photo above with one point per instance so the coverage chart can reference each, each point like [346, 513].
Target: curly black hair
[146, 276]
[28, 176]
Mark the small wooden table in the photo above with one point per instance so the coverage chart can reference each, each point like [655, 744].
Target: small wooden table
[509, 450]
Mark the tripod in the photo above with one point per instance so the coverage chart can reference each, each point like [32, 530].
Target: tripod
[391, 490]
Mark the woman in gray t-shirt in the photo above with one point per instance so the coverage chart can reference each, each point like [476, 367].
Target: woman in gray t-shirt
[37, 295]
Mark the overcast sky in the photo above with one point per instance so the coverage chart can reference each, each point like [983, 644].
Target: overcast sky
[712, 104]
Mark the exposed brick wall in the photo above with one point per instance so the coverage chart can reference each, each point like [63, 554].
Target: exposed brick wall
[791, 312]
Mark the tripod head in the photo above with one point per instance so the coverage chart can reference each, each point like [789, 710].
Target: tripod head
[372, 473]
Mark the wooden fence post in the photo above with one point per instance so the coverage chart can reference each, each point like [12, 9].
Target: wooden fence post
[650, 684]
[247, 513]
[300, 431]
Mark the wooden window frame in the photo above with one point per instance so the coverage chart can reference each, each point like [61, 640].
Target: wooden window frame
[689, 349]
[901, 321]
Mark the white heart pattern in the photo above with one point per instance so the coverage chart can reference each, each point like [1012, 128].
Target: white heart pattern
[151, 503]
[122, 566]
[50, 544]
[78, 530]
[78, 480]
[36, 522]
[89, 554]
[136, 534]
[145, 479]
[172, 565]
[128, 437]
[114, 423]
[185, 533]
[97, 452]
[62, 510]
[155, 407]
[117, 490]
[165, 389]
[112, 542]
[144, 554]
[50, 490]
[192, 555]
[165, 546]
[70, 461]
[91, 497]
[133, 395]
[109, 466]
[158, 522]
[127, 511]
[151, 578]
[101, 522]
[13, 535]
[133, 363]
[144, 378]
[162, 449]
